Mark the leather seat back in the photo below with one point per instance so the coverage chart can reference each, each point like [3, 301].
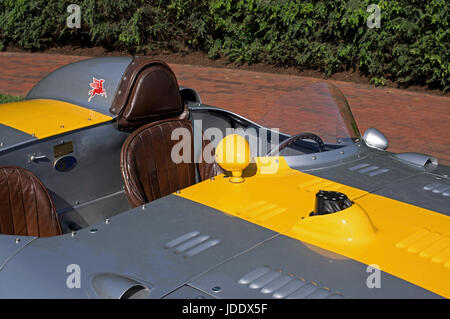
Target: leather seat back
[148, 92]
[147, 166]
[26, 208]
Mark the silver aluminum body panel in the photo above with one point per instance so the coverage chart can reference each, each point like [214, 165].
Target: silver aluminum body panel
[424, 190]
[287, 268]
[214, 117]
[205, 107]
[97, 173]
[418, 159]
[371, 171]
[105, 207]
[93, 212]
[70, 83]
[10, 137]
[328, 159]
[112, 286]
[11, 245]
[442, 171]
[135, 245]
[187, 292]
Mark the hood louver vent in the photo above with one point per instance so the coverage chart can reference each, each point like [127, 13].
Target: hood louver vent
[283, 285]
[191, 244]
[438, 188]
[368, 169]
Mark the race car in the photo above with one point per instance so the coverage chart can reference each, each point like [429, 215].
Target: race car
[116, 182]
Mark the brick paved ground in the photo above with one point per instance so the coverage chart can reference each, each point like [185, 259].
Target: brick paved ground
[411, 121]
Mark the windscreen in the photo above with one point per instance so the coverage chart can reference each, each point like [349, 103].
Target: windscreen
[318, 108]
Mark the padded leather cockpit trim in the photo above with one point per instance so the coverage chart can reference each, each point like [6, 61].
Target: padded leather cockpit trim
[129, 104]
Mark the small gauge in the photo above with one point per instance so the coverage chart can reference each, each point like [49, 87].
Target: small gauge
[65, 164]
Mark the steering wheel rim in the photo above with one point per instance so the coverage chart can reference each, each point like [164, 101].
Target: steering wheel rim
[294, 138]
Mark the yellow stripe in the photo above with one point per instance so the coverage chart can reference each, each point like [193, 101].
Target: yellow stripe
[43, 118]
[406, 241]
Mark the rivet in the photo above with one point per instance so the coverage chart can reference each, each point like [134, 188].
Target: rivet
[93, 230]
[216, 289]
[77, 202]
[177, 192]
[342, 152]
[1, 144]
[143, 207]
[73, 233]
[107, 221]
[17, 240]
[314, 158]
[120, 92]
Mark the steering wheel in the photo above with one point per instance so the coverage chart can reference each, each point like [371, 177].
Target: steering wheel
[301, 136]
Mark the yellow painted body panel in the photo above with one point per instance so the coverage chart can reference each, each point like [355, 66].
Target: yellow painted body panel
[44, 118]
[406, 241]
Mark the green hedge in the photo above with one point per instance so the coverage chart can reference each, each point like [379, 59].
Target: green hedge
[411, 47]
[4, 98]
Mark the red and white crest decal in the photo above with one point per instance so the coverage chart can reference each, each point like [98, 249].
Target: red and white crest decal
[97, 88]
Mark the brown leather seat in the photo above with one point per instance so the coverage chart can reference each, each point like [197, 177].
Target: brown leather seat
[146, 164]
[26, 208]
[148, 92]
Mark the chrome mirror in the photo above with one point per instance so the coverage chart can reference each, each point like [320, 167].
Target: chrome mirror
[375, 139]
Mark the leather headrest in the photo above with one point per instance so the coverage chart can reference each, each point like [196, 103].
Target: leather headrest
[148, 92]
